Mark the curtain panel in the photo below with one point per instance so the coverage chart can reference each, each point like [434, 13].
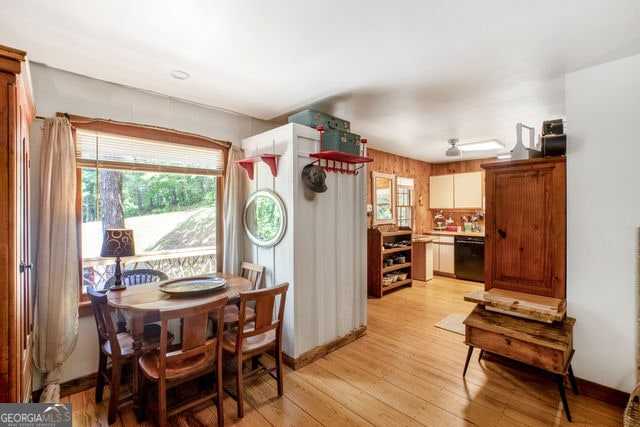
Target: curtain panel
[57, 266]
[233, 207]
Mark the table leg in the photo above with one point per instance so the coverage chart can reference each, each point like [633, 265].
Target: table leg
[137, 332]
[466, 363]
[480, 355]
[563, 396]
[572, 379]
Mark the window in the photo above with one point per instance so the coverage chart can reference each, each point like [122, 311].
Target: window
[165, 186]
[405, 202]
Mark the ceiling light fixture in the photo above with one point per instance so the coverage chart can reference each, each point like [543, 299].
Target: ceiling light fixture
[453, 151]
[180, 75]
[491, 144]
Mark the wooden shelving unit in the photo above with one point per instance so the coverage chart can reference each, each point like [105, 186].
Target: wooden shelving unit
[382, 246]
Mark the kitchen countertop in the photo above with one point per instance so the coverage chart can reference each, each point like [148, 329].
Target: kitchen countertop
[456, 233]
[423, 239]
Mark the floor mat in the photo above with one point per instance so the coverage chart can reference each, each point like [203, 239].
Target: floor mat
[453, 323]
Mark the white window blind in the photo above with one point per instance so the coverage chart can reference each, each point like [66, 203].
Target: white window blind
[404, 182]
[106, 151]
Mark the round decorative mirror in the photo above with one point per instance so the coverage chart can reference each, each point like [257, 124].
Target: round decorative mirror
[265, 219]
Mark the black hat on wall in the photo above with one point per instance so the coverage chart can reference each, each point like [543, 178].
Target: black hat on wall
[313, 177]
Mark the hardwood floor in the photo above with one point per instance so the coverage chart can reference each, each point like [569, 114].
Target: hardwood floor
[404, 371]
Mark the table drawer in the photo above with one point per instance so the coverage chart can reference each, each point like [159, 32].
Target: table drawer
[549, 359]
[543, 345]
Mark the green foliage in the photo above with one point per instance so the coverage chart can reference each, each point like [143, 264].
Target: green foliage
[146, 193]
[268, 218]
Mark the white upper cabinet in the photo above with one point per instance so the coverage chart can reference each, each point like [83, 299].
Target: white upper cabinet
[441, 192]
[456, 191]
[467, 190]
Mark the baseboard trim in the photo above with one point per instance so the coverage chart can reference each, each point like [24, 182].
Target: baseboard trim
[322, 350]
[73, 386]
[603, 393]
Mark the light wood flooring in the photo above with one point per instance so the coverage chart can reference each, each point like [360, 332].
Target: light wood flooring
[404, 372]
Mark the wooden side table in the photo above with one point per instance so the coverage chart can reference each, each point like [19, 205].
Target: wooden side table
[542, 345]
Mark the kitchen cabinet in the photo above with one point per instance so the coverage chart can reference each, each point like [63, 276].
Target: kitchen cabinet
[384, 252]
[16, 113]
[441, 192]
[467, 190]
[525, 238]
[444, 256]
[456, 191]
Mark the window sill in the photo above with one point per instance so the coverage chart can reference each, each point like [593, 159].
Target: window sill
[84, 309]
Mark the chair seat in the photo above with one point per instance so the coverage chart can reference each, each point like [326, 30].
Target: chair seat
[150, 363]
[250, 344]
[231, 313]
[150, 341]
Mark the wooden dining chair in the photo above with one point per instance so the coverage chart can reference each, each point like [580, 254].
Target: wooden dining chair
[114, 347]
[197, 354]
[132, 278]
[252, 339]
[253, 273]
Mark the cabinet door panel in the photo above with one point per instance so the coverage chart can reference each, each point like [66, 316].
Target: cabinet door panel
[467, 188]
[526, 216]
[436, 256]
[447, 258]
[441, 192]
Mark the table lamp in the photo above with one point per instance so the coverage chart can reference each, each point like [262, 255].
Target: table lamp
[118, 242]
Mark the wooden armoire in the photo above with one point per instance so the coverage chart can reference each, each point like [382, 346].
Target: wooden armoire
[16, 296]
[525, 242]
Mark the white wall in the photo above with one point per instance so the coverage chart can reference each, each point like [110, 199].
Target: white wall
[59, 91]
[603, 215]
[323, 252]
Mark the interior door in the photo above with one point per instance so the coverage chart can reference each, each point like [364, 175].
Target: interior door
[24, 268]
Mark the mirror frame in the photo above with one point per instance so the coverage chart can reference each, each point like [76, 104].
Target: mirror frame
[392, 179]
[283, 225]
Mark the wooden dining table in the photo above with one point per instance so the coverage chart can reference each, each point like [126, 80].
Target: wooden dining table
[144, 302]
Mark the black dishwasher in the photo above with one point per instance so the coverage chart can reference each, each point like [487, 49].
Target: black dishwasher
[469, 258]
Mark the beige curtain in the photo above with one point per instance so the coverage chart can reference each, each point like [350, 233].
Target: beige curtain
[233, 210]
[57, 268]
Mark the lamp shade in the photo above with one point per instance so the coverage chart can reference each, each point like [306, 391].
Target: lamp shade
[118, 242]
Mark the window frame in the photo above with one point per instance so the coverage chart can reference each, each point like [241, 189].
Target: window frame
[400, 185]
[150, 133]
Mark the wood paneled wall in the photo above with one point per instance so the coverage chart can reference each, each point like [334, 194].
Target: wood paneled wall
[408, 168]
[420, 171]
[458, 167]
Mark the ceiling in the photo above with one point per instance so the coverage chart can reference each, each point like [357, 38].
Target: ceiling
[409, 74]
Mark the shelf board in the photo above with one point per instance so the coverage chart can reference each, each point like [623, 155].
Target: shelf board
[392, 250]
[337, 161]
[397, 284]
[396, 267]
[270, 159]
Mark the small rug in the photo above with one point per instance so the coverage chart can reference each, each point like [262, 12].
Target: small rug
[453, 323]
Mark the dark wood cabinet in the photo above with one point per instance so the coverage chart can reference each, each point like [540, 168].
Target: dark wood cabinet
[16, 303]
[525, 242]
[389, 256]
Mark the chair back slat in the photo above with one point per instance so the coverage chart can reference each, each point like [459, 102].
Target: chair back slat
[137, 277]
[253, 273]
[104, 321]
[195, 341]
[266, 316]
